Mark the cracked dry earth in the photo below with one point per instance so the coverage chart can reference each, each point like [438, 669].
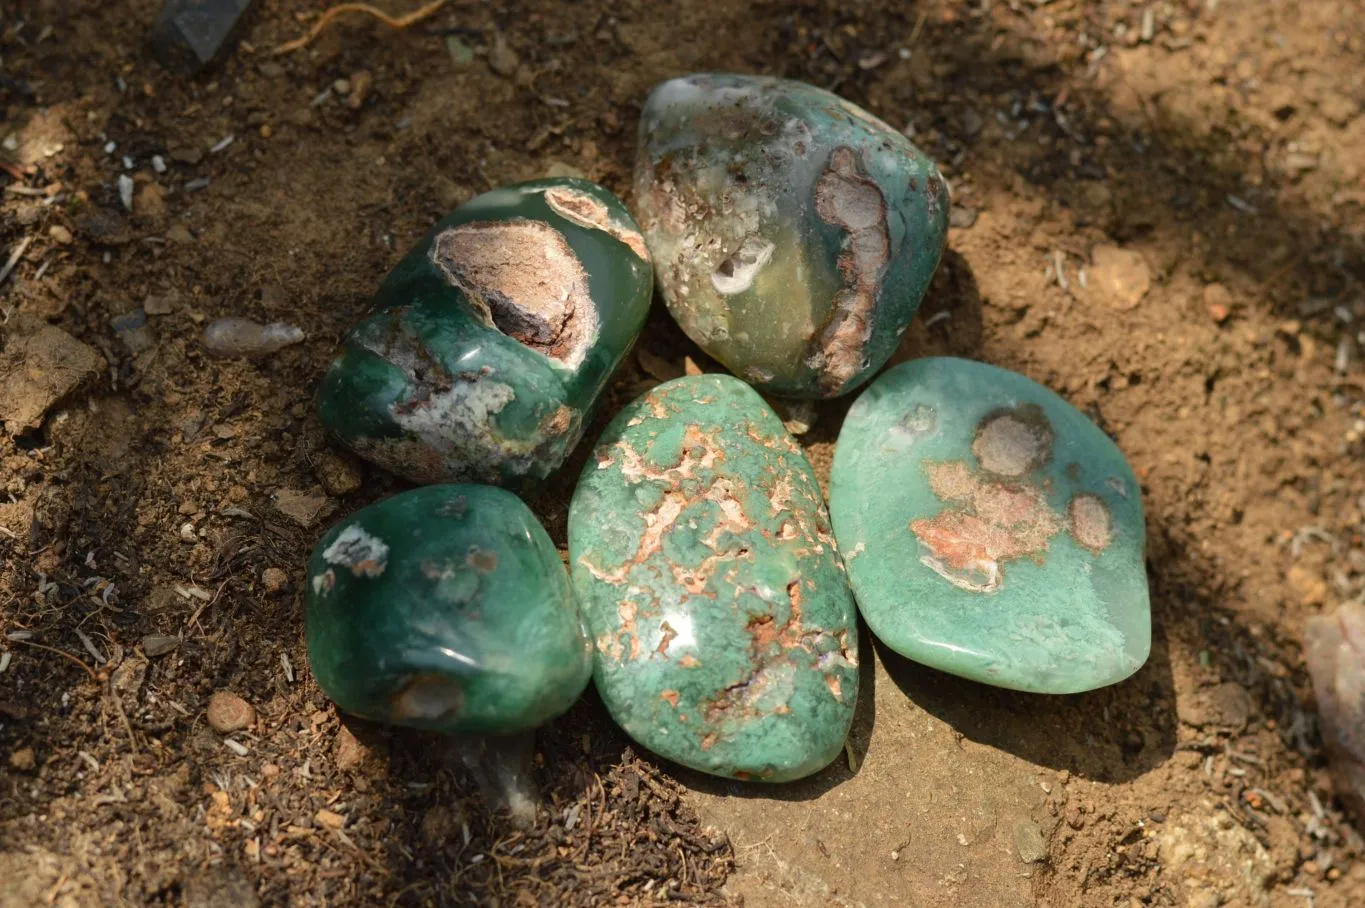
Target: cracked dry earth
[1159, 212]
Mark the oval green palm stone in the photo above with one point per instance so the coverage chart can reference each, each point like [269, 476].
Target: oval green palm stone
[991, 530]
[445, 608]
[493, 337]
[793, 232]
[701, 554]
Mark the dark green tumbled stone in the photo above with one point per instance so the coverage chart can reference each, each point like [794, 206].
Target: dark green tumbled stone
[493, 337]
[793, 232]
[703, 558]
[445, 608]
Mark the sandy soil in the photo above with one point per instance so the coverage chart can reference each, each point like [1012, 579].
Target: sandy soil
[159, 504]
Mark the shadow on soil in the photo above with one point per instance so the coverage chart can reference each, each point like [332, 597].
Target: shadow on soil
[1109, 735]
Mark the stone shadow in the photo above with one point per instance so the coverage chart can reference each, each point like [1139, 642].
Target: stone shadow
[1113, 734]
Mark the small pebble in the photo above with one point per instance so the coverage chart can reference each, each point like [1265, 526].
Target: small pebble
[234, 337]
[275, 580]
[125, 191]
[338, 475]
[961, 217]
[1218, 300]
[60, 234]
[131, 328]
[159, 644]
[187, 532]
[501, 58]
[350, 753]
[23, 760]
[158, 163]
[301, 506]
[361, 83]
[460, 53]
[228, 712]
[329, 819]
[163, 304]
[1029, 843]
[180, 235]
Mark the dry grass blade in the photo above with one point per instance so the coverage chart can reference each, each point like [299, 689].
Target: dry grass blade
[342, 9]
[65, 655]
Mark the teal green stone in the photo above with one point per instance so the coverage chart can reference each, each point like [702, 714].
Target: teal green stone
[793, 232]
[492, 339]
[991, 530]
[445, 608]
[701, 553]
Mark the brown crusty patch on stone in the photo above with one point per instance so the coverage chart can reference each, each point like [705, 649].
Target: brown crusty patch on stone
[522, 278]
[846, 198]
[1014, 442]
[1092, 526]
[1001, 512]
[993, 523]
[586, 211]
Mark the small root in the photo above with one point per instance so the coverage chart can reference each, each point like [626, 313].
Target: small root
[342, 9]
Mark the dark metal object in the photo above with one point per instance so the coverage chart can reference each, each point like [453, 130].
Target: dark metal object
[189, 35]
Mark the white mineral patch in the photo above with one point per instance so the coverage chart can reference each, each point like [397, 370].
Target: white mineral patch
[465, 411]
[358, 551]
[736, 274]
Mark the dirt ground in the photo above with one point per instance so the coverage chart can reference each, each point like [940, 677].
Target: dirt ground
[1159, 212]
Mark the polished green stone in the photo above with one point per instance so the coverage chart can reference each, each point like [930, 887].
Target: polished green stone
[445, 608]
[991, 530]
[700, 550]
[793, 233]
[493, 337]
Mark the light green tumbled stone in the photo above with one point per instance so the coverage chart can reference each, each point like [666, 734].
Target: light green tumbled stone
[701, 554]
[991, 530]
[793, 232]
[445, 608]
[493, 337]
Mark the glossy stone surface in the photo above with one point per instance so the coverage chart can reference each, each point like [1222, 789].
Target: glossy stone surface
[445, 608]
[493, 337]
[702, 556]
[793, 233]
[991, 530]
[1334, 648]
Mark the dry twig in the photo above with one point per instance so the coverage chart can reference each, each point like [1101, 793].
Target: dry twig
[63, 653]
[342, 9]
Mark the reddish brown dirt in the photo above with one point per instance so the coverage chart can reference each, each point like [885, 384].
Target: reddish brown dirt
[1201, 161]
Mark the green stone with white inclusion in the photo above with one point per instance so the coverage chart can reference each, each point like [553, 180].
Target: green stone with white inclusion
[991, 530]
[445, 608]
[793, 232]
[492, 339]
[702, 556]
